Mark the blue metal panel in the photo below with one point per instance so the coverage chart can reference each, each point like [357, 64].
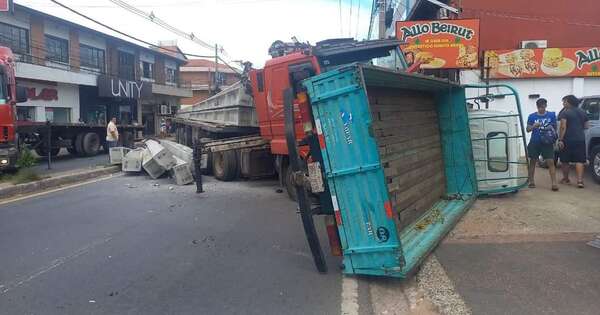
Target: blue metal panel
[356, 180]
[354, 173]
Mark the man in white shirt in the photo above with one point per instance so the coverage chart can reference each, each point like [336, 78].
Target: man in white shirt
[112, 134]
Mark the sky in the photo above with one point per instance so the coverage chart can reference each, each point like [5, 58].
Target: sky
[244, 28]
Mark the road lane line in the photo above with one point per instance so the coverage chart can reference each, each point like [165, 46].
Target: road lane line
[4, 288]
[349, 296]
[45, 192]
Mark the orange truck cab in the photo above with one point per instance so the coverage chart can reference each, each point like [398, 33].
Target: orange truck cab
[291, 64]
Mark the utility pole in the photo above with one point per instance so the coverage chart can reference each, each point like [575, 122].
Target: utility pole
[216, 68]
[382, 27]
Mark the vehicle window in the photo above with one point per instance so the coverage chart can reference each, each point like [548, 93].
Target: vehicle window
[497, 149]
[591, 107]
[260, 81]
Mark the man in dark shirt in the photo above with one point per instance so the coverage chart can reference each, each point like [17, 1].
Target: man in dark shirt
[571, 140]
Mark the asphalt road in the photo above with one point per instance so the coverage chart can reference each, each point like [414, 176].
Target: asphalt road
[125, 246]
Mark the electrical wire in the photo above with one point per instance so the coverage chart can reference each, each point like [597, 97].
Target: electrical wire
[357, 20]
[341, 23]
[350, 21]
[125, 34]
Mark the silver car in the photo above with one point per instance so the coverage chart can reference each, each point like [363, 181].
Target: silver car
[591, 106]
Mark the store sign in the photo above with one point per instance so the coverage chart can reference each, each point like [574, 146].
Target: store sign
[45, 94]
[5, 5]
[543, 62]
[120, 88]
[442, 44]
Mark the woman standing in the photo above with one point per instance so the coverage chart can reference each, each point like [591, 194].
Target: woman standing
[571, 140]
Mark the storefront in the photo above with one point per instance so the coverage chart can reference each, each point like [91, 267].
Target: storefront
[113, 97]
[49, 101]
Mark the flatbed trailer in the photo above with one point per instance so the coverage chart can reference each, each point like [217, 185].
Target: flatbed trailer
[78, 138]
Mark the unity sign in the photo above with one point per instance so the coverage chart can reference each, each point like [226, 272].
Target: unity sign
[447, 44]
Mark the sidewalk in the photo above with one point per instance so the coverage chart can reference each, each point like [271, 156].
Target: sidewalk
[521, 253]
[65, 169]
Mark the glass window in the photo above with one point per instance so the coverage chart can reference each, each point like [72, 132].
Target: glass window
[57, 49]
[497, 149]
[16, 38]
[126, 66]
[58, 114]
[97, 115]
[591, 106]
[26, 113]
[171, 75]
[91, 57]
[147, 70]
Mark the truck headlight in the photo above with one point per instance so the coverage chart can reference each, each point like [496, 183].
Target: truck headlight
[4, 161]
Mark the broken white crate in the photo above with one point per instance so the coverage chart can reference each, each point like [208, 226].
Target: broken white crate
[181, 172]
[160, 154]
[180, 151]
[132, 162]
[151, 166]
[116, 154]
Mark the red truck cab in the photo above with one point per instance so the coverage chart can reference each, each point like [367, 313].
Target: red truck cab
[10, 95]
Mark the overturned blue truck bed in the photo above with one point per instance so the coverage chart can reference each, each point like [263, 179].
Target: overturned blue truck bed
[397, 160]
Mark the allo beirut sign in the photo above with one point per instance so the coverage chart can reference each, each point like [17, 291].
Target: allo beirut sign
[120, 88]
[441, 44]
[543, 62]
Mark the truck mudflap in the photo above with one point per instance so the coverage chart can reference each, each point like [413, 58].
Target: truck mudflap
[398, 162]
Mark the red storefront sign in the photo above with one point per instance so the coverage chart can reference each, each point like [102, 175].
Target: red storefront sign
[46, 94]
[5, 5]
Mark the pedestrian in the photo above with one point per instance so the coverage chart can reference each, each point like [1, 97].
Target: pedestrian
[112, 133]
[571, 140]
[542, 125]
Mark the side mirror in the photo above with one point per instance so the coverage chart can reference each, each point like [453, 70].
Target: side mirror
[21, 94]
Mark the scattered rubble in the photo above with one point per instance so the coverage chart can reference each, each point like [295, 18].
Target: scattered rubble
[157, 158]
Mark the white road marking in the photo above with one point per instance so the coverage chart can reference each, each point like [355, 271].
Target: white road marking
[45, 192]
[53, 265]
[349, 296]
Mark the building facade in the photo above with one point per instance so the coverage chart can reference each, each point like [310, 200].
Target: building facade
[74, 74]
[200, 73]
[511, 25]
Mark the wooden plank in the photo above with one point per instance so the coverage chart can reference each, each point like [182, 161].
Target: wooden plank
[401, 129]
[409, 145]
[431, 121]
[410, 133]
[402, 199]
[398, 156]
[402, 107]
[415, 161]
[414, 211]
[404, 116]
[413, 177]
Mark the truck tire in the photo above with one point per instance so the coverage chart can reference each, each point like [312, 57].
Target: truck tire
[42, 151]
[91, 144]
[225, 165]
[595, 163]
[79, 144]
[289, 185]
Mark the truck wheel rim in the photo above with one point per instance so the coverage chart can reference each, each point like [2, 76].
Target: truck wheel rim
[597, 164]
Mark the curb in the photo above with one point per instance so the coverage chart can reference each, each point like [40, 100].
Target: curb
[54, 182]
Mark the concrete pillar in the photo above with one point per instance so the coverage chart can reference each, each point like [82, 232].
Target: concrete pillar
[37, 39]
[74, 51]
[159, 69]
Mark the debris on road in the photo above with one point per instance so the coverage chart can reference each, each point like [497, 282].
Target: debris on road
[595, 243]
[156, 158]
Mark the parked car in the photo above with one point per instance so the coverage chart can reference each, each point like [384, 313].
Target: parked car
[591, 106]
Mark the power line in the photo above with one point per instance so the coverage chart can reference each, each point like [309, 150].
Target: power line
[358, 19]
[350, 21]
[341, 25]
[125, 34]
[152, 18]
